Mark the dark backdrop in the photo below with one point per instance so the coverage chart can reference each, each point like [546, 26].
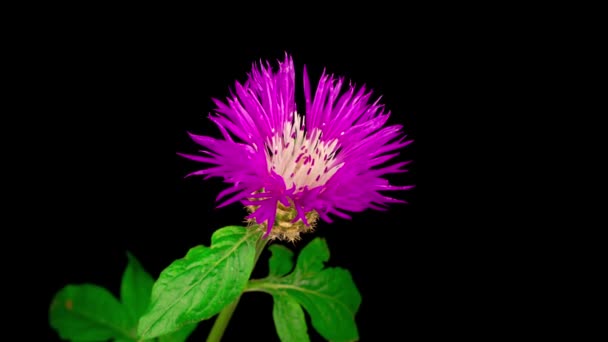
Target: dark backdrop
[115, 183]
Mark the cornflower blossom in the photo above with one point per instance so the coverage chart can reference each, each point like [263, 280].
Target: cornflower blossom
[289, 168]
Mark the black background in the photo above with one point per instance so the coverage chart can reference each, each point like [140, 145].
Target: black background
[426, 268]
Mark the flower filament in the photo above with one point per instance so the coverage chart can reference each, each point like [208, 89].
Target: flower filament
[302, 158]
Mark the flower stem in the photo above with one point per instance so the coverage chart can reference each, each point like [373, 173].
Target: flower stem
[222, 320]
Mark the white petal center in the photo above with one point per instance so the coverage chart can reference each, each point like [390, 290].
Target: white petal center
[300, 157]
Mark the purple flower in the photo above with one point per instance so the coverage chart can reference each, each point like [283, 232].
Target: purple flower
[328, 161]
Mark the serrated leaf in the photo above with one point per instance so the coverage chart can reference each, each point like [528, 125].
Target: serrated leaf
[312, 257]
[281, 261]
[332, 300]
[289, 319]
[200, 285]
[135, 288]
[329, 295]
[179, 336]
[89, 313]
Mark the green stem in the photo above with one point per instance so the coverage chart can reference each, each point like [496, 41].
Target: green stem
[222, 320]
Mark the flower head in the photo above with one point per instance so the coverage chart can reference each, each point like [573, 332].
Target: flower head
[290, 168]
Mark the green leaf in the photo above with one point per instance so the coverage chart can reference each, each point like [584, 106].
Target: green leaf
[329, 295]
[312, 257]
[179, 336]
[199, 286]
[332, 300]
[135, 289]
[289, 319]
[89, 313]
[280, 262]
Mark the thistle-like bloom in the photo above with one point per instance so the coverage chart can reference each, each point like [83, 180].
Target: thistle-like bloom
[288, 168]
